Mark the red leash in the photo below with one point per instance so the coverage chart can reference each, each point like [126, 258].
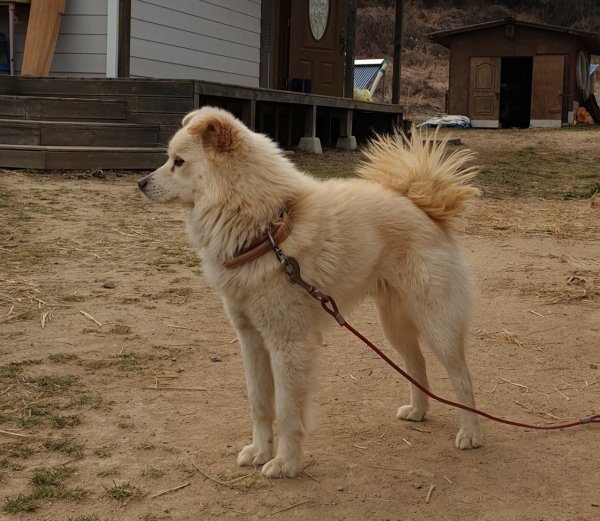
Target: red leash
[327, 301]
[292, 268]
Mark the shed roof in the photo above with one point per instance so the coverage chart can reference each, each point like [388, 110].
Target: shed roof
[589, 39]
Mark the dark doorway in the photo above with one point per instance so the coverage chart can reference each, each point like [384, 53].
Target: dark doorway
[515, 92]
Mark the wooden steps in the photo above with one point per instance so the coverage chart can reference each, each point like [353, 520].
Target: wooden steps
[80, 123]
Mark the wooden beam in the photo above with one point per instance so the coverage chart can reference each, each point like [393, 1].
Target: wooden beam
[350, 49]
[397, 52]
[124, 38]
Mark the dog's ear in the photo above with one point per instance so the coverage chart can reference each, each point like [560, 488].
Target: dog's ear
[217, 133]
[188, 117]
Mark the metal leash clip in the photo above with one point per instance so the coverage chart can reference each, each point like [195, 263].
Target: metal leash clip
[292, 267]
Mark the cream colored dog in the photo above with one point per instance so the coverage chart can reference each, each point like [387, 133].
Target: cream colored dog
[388, 235]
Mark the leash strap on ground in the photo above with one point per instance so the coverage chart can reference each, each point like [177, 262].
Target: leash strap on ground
[292, 268]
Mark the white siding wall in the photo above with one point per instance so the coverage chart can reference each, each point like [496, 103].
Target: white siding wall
[212, 40]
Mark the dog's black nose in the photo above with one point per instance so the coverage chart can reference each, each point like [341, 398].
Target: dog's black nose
[142, 183]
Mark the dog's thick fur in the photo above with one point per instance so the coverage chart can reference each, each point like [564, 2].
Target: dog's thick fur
[388, 235]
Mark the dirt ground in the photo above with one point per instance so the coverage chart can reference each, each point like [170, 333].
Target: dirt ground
[119, 371]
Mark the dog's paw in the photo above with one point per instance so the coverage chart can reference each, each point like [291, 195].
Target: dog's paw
[467, 439]
[410, 413]
[279, 468]
[252, 455]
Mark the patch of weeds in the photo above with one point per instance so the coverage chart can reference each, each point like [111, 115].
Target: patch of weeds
[123, 492]
[51, 492]
[186, 469]
[74, 298]
[53, 384]
[144, 446]
[130, 362]
[60, 422]
[48, 484]
[20, 503]
[125, 425]
[95, 365]
[120, 329]
[14, 369]
[104, 451]
[180, 292]
[108, 472]
[152, 473]
[65, 447]
[583, 193]
[61, 358]
[18, 451]
[86, 400]
[93, 517]
[52, 476]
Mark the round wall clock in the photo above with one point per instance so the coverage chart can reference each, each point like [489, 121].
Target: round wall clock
[318, 14]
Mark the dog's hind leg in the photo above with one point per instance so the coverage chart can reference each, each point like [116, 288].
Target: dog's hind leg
[402, 334]
[293, 372]
[259, 380]
[446, 338]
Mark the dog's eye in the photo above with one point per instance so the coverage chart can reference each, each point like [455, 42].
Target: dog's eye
[178, 161]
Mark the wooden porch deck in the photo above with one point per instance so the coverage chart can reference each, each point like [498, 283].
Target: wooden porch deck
[76, 123]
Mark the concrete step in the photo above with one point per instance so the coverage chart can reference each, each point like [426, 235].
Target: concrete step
[70, 133]
[81, 158]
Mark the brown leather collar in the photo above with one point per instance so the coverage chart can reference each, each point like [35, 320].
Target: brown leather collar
[279, 231]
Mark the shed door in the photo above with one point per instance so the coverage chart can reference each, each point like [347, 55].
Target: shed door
[484, 91]
[317, 38]
[547, 90]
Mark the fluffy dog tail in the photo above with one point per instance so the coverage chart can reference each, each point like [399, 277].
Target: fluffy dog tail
[420, 168]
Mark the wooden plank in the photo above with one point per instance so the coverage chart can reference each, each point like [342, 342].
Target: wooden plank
[106, 159]
[160, 104]
[143, 118]
[15, 132]
[79, 87]
[42, 32]
[98, 136]
[7, 84]
[92, 109]
[14, 158]
[10, 107]
[59, 158]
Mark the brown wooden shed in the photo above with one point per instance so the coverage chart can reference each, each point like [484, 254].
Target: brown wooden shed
[511, 73]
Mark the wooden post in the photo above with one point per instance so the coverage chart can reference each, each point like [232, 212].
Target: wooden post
[397, 52]
[124, 38]
[249, 113]
[350, 48]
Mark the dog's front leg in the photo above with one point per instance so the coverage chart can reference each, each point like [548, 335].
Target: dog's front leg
[292, 366]
[259, 380]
